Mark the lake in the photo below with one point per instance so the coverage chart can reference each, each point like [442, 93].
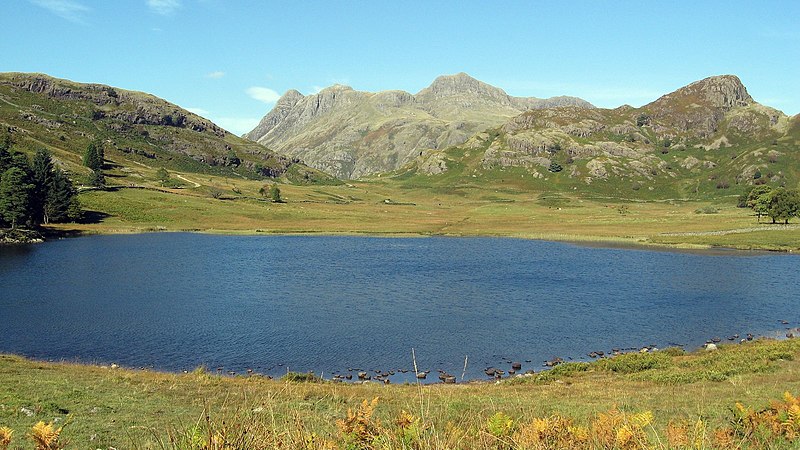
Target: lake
[175, 301]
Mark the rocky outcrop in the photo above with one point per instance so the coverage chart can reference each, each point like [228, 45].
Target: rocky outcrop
[19, 236]
[699, 107]
[354, 134]
[128, 106]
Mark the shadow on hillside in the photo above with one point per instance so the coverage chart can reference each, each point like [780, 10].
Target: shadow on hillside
[90, 217]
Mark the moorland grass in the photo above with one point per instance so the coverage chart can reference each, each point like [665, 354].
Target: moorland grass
[386, 208]
[666, 394]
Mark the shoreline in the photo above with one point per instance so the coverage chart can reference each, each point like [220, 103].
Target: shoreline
[607, 242]
[503, 371]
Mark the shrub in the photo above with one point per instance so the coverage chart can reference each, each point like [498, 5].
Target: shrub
[5, 437]
[45, 436]
[499, 425]
[636, 362]
[706, 210]
[299, 377]
[359, 429]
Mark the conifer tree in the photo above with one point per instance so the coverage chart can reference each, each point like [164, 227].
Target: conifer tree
[41, 179]
[15, 196]
[61, 200]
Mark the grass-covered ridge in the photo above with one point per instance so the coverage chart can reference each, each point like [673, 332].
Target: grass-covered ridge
[653, 400]
[135, 128]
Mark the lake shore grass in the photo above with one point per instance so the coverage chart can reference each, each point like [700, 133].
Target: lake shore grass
[668, 395]
[382, 208]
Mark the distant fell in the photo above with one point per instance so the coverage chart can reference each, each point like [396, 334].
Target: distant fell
[707, 139]
[351, 133]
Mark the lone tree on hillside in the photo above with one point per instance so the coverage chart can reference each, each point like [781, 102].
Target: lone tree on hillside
[162, 175]
[93, 158]
[94, 155]
[275, 194]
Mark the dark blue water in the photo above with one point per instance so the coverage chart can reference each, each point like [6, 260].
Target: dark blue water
[177, 301]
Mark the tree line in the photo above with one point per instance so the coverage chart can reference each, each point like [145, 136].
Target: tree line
[779, 204]
[34, 192]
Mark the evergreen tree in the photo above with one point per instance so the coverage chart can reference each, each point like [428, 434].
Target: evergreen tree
[15, 196]
[20, 161]
[41, 178]
[61, 200]
[93, 156]
[97, 179]
[5, 151]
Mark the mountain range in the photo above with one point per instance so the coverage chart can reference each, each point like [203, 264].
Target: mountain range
[708, 135]
[351, 134]
[701, 139]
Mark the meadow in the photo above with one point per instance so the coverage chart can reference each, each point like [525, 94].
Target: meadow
[137, 202]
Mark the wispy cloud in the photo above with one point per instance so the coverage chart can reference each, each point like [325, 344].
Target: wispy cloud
[164, 7]
[315, 89]
[66, 9]
[199, 111]
[216, 74]
[263, 94]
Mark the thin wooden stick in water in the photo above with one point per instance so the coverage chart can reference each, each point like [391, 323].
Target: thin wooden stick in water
[466, 357]
[419, 385]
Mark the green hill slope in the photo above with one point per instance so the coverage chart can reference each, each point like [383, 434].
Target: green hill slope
[135, 128]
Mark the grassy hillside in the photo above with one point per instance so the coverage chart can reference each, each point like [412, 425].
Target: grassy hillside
[656, 400]
[135, 129]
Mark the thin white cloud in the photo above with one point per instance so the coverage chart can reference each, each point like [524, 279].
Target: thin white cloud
[263, 94]
[315, 89]
[237, 125]
[199, 111]
[216, 74]
[66, 9]
[164, 7]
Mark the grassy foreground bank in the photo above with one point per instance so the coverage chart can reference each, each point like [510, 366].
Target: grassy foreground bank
[657, 400]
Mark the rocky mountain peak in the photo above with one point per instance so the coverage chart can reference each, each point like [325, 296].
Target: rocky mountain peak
[721, 91]
[290, 98]
[460, 84]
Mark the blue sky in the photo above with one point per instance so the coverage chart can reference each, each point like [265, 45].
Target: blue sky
[230, 60]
